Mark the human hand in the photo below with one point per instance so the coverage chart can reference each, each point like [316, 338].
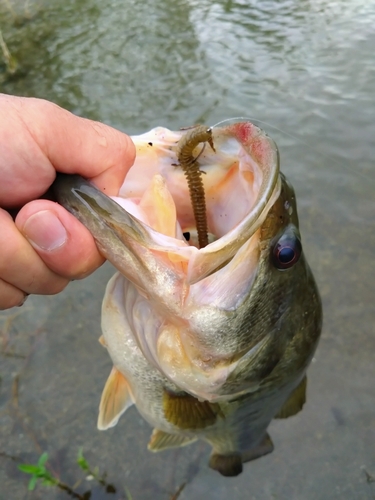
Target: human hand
[46, 247]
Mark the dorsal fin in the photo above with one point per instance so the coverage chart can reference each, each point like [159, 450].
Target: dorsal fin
[116, 399]
[161, 440]
[295, 402]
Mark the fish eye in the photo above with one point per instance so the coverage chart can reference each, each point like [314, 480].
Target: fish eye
[287, 250]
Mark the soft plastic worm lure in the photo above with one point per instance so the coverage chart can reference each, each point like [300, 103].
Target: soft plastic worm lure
[188, 162]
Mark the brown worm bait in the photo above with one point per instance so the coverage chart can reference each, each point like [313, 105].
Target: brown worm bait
[189, 164]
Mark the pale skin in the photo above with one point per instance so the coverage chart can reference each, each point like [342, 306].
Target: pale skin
[45, 247]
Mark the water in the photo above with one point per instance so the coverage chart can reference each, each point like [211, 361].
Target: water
[306, 71]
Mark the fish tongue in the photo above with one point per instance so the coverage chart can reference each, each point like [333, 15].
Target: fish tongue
[159, 207]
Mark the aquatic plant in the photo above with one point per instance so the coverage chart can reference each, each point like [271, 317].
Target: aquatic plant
[40, 472]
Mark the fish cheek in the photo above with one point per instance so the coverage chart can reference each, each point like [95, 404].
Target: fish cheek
[267, 323]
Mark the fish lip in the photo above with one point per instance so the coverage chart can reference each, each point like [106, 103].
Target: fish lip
[94, 208]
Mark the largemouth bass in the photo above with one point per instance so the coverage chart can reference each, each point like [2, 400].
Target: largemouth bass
[211, 320]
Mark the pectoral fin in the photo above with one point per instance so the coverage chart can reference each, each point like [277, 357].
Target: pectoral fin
[295, 402]
[116, 399]
[161, 440]
[186, 412]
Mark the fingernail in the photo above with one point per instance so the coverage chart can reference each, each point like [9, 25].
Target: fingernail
[44, 230]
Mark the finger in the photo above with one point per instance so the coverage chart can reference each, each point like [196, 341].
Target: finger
[10, 296]
[40, 137]
[61, 241]
[21, 266]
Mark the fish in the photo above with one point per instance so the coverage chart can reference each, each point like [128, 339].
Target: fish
[209, 342]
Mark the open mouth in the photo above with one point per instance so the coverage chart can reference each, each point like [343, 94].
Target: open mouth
[237, 167]
[239, 171]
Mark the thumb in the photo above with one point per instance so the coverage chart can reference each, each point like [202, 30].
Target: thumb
[62, 242]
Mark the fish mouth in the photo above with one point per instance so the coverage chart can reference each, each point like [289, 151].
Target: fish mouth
[240, 175]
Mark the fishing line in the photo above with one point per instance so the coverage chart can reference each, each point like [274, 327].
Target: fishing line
[255, 121]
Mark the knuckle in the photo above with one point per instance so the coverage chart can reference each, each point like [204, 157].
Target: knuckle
[10, 296]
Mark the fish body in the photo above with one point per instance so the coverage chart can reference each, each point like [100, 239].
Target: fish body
[209, 343]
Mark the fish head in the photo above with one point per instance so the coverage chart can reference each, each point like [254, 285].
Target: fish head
[217, 320]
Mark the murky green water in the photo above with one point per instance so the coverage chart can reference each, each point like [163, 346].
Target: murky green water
[304, 67]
